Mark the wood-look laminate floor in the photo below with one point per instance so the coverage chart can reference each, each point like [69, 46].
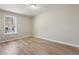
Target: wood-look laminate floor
[35, 46]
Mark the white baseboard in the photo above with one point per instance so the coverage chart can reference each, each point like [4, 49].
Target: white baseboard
[61, 42]
[41, 37]
[15, 38]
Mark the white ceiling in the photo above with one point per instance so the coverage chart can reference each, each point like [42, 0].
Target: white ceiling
[25, 9]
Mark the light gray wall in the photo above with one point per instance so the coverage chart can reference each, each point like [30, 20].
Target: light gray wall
[60, 24]
[23, 26]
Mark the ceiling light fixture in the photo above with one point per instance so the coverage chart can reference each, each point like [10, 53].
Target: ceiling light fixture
[33, 5]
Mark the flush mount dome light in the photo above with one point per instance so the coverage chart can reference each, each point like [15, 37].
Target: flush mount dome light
[33, 5]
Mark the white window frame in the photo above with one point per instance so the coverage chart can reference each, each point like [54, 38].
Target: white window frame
[15, 25]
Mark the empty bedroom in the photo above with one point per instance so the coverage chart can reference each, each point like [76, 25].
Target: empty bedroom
[39, 29]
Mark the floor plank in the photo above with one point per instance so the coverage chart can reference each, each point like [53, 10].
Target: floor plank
[36, 46]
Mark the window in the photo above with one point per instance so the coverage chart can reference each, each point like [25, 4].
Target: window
[10, 25]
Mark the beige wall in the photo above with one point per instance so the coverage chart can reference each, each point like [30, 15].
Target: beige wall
[23, 26]
[60, 24]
